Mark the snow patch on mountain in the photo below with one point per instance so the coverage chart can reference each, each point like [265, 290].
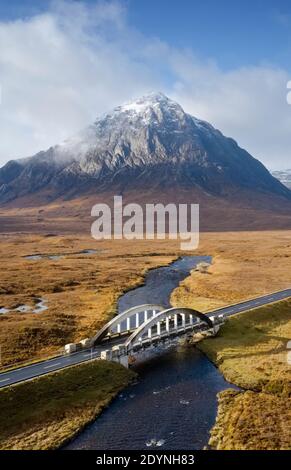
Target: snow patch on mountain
[149, 141]
[284, 176]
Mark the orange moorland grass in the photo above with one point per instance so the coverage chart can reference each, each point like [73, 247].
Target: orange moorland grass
[252, 421]
[81, 290]
[245, 265]
[251, 352]
[251, 349]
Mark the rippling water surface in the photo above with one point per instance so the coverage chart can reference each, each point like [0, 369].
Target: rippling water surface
[173, 404]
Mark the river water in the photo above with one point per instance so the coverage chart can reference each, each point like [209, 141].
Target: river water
[173, 403]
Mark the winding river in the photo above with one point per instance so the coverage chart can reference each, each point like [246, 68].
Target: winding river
[173, 404]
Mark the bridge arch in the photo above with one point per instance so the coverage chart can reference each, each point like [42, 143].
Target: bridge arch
[126, 317]
[165, 316]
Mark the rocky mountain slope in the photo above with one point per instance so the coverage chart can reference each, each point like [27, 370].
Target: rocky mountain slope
[147, 144]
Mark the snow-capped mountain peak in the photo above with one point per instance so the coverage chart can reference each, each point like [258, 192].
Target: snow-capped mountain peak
[147, 109]
[151, 140]
[152, 100]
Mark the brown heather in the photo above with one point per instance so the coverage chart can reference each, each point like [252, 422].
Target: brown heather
[81, 292]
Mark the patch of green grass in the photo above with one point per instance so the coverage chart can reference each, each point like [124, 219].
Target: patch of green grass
[252, 421]
[251, 348]
[251, 352]
[44, 413]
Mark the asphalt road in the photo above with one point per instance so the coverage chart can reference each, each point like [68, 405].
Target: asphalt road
[60, 362]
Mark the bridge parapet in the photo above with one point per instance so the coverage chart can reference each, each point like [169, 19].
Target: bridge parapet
[170, 322]
[163, 330]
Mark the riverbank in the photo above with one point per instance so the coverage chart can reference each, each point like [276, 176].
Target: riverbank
[181, 380]
[142, 409]
[77, 395]
[245, 265]
[251, 352]
[81, 289]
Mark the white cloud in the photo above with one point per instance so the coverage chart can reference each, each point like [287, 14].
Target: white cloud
[59, 70]
[248, 104]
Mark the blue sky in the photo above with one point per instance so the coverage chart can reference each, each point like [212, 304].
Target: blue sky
[233, 32]
[64, 62]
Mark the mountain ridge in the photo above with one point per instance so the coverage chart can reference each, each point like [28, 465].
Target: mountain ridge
[146, 147]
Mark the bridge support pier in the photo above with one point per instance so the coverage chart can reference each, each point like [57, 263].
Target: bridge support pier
[115, 354]
[106, 355]
[119, 354]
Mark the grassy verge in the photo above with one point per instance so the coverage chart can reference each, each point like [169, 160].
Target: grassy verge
[251, 352]
[47, 412]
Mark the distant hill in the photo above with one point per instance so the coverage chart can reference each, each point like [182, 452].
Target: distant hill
[284, 176]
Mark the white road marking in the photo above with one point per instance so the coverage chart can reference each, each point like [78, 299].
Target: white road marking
[53, 365]
[4, 380]
[227, 312]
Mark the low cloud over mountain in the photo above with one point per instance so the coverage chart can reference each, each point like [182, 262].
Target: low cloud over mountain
[147, 143]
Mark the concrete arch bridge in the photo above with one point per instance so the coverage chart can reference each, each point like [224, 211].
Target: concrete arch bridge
[150, 325]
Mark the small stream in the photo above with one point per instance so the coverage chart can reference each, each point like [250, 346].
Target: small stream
[39, 307]
[173, 404]
[57, 256]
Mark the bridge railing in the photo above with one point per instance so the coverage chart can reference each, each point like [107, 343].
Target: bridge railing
[170, 320]
[127, 321]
